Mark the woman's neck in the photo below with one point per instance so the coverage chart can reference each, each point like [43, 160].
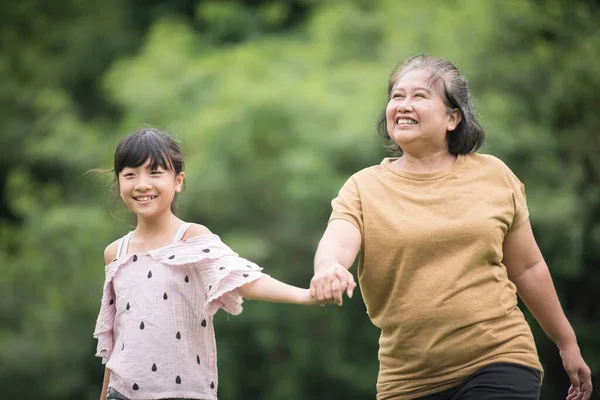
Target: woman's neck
[427, 163]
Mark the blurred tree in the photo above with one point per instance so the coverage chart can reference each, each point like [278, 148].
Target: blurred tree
[275, 104]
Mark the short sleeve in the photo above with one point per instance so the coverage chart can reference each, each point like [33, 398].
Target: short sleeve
[347, 205]
[521, 212]
[105, 323]
[221, 277]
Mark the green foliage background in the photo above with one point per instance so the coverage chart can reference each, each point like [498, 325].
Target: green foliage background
[275, 104]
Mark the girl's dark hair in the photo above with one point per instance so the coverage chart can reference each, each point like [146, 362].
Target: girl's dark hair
[468, 137]
[149, 144]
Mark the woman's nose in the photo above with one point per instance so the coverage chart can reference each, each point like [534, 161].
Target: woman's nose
[405, 105]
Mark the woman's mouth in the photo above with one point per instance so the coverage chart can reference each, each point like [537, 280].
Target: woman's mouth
[405, 121]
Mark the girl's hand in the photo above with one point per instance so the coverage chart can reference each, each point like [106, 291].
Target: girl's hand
[579, 373]
[307, 299]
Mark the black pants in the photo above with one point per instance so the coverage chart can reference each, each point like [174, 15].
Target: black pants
[114, 395]
[500, 381]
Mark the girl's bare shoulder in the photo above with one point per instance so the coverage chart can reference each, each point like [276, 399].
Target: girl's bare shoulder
[196, 230]
[110, 253]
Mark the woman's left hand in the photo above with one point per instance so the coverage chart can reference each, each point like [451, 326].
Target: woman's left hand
[579, 373]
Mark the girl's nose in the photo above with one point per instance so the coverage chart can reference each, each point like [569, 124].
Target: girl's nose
[143, 184]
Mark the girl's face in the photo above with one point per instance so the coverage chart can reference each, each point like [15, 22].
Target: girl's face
[416, 113]
[149, 192]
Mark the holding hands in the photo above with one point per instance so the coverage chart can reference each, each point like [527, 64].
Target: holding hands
[329, 284]
[337, 250]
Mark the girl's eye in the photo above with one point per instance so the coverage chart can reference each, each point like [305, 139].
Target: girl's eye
[127, 175]
[156, 173]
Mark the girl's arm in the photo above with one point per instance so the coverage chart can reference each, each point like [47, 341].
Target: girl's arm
[527, 269]
[105, 384]
[272, 290]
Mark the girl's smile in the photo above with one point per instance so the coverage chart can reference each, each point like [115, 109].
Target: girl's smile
[148, 191]
[144, 199]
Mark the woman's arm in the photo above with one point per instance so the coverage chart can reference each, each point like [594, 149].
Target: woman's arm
[272, 290]
[335, 254]
[528, 271]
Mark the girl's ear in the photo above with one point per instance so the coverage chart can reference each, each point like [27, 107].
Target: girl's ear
[179, 181]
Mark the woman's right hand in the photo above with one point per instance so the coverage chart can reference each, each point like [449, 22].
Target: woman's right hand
[330, 282]
[336, 252]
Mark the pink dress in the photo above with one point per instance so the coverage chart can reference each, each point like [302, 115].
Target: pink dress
[155, 329]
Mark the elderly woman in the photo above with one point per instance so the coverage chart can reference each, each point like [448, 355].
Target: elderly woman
[445, 246]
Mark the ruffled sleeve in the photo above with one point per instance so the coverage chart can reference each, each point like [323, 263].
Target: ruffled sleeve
[221, 271]
[221, 277]
[106, 317]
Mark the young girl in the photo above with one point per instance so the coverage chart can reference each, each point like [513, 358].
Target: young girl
[164, 282]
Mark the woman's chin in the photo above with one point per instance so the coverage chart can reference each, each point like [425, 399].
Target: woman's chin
[403, 138]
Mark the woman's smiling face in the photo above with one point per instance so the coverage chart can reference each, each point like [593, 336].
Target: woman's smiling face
[416, 113]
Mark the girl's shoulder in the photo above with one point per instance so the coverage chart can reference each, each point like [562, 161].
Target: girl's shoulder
[110, 252]
[196, 230]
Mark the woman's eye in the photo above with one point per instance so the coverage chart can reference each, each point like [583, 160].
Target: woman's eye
[396, 96]
[419, 95]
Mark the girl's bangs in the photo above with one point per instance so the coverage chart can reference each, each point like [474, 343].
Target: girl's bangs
[138, 149]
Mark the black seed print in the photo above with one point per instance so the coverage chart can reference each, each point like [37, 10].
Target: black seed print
[187, 279]
[206, 250]
[178, 336]
[210, 287]
[149, 274]
[165, 296]
[142, 325]
[245, 275]
[102, 351]
[127, 307]
[114, 260]
[172, 257]
[134, 258]
[154, 367]
[123, 347]
[178, 380]
[212, 385]
[221, 269]
[135, 386]
[249, 266]
[198, 359]
[111, 302]
[203, 323]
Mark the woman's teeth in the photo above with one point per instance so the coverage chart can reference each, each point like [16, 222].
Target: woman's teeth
[409, 121]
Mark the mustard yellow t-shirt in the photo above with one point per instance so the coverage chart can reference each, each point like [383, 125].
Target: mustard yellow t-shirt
[430, 271]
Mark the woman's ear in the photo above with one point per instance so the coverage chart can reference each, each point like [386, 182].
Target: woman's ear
[454, 119]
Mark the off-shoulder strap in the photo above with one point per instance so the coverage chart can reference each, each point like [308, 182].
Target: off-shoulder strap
[123, 245]
[181, 231]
